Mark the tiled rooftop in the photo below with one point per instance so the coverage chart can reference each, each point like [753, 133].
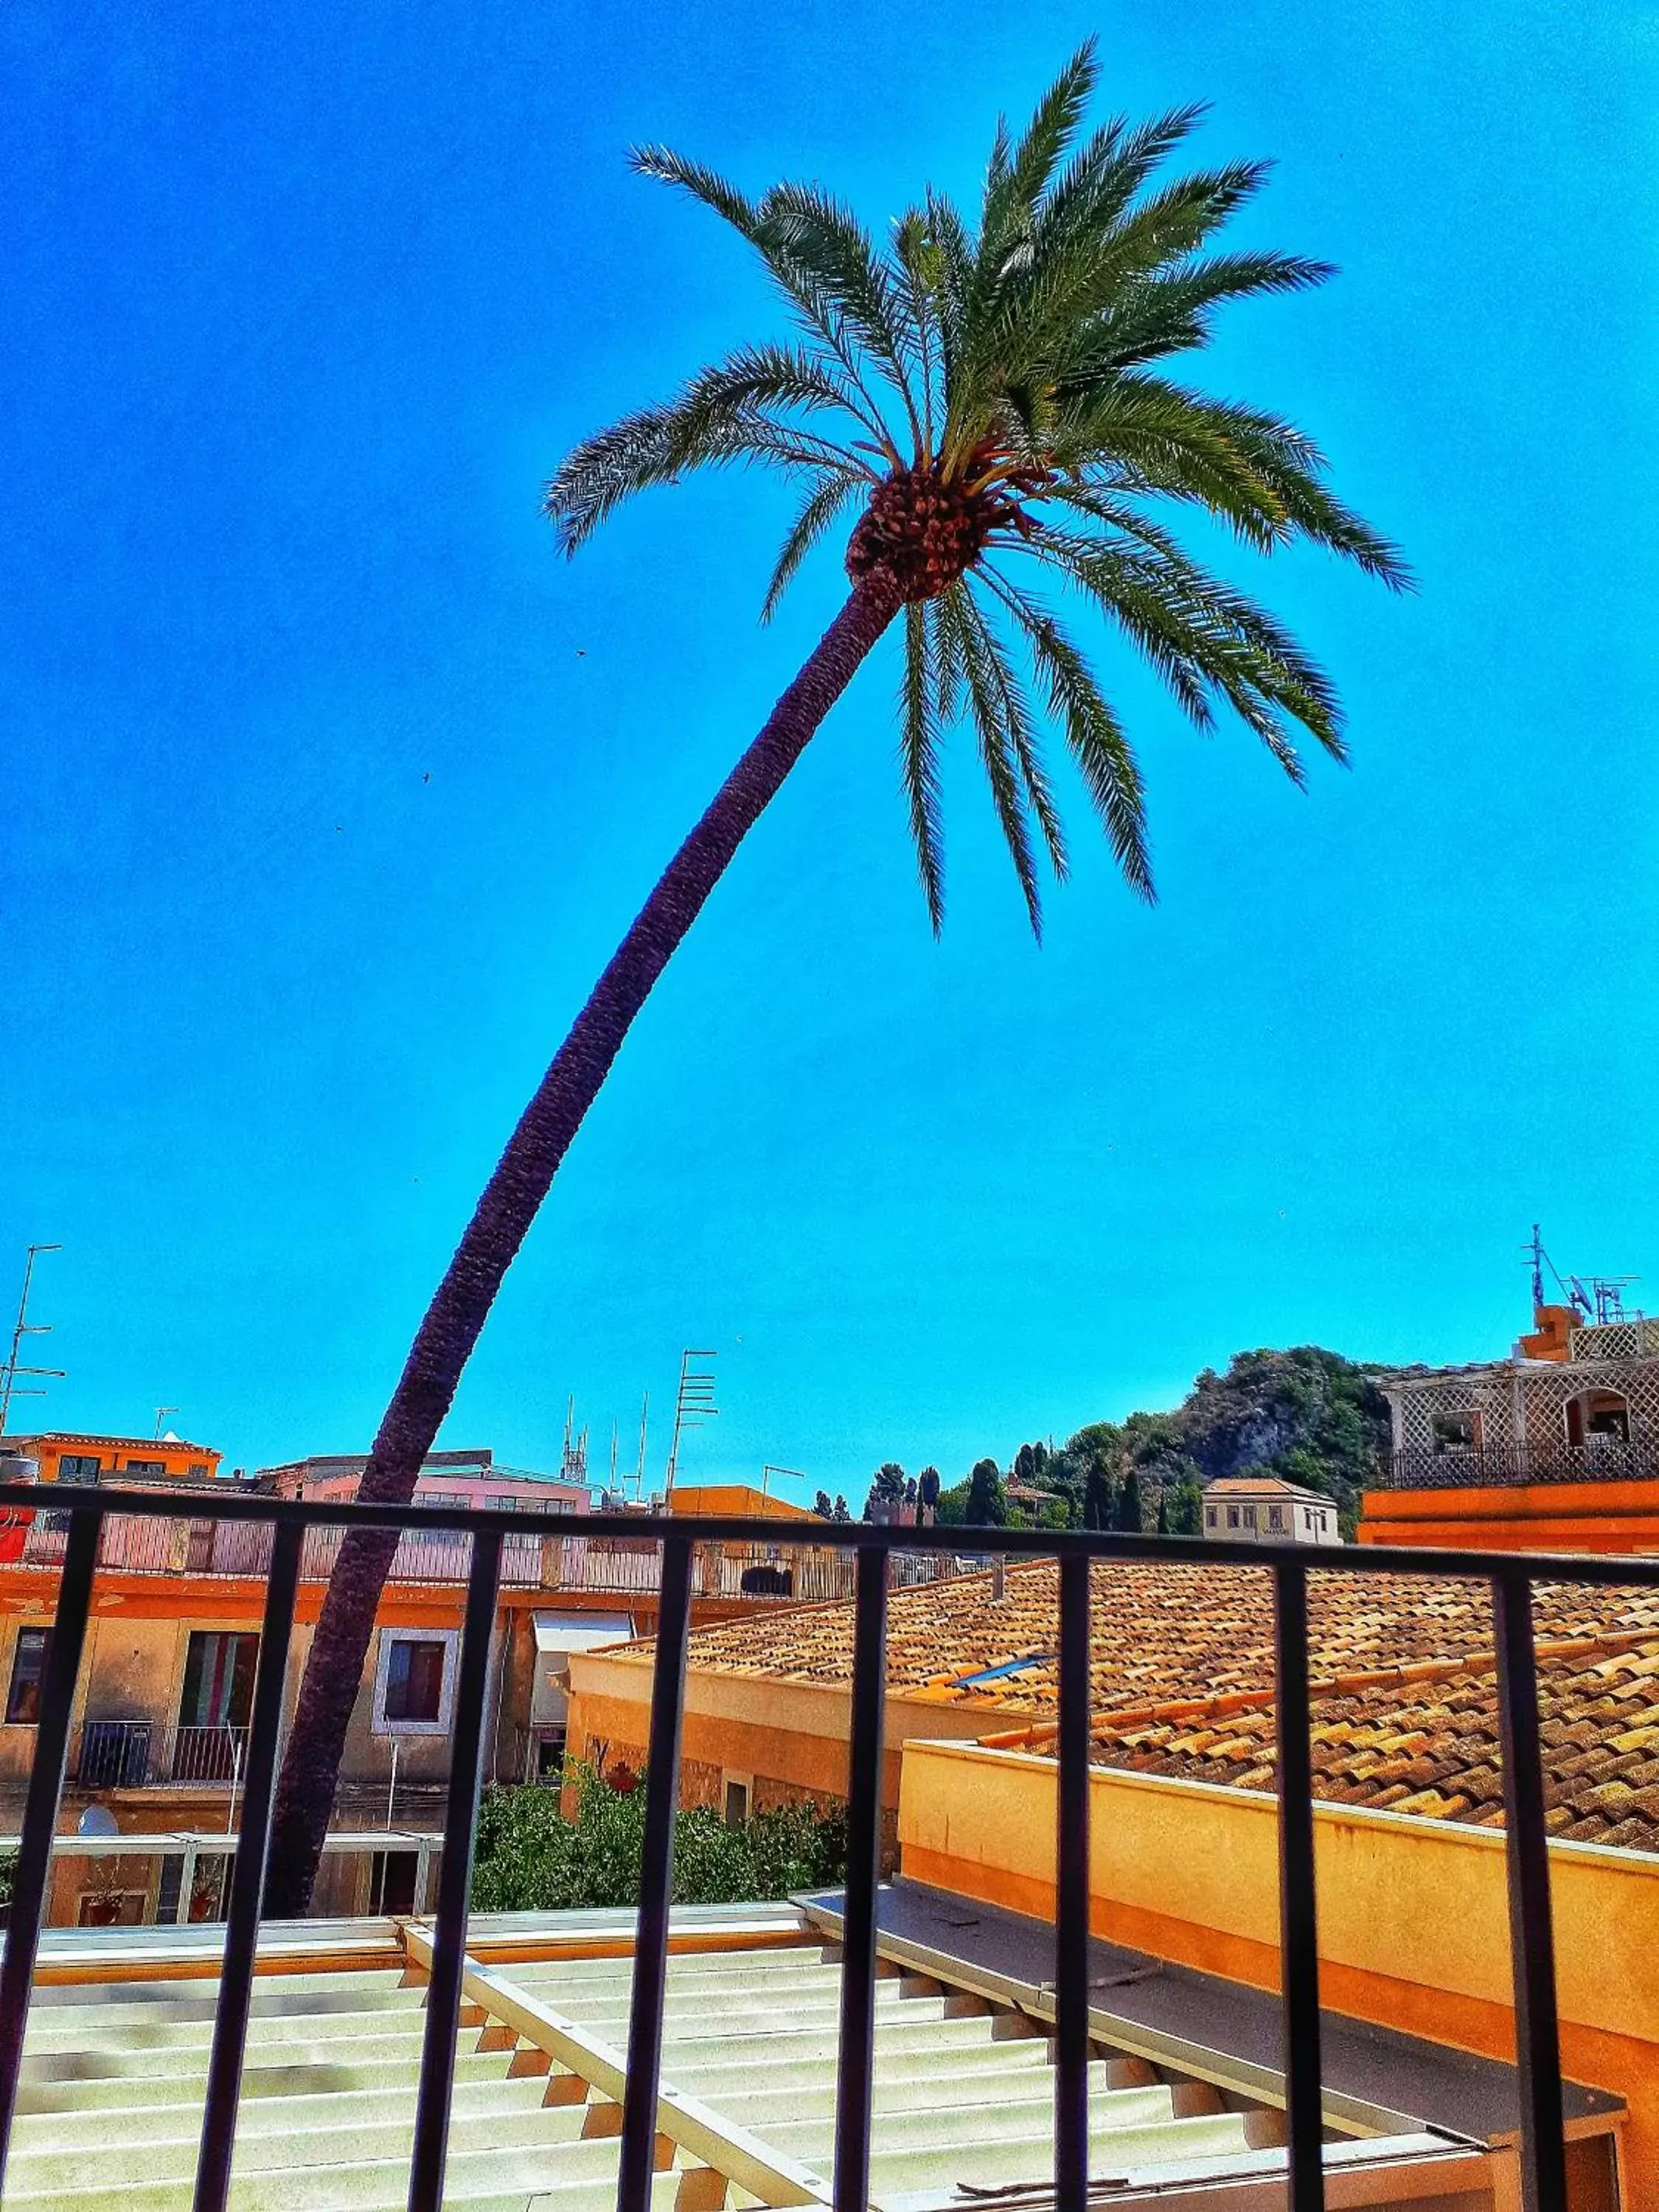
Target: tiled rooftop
[1430, 1745]
[1263, 1485]
[1165, 1637]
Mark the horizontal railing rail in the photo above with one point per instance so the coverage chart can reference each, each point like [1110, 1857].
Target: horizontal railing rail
[568, 1560]
[868, 1552]
[1476, 1467]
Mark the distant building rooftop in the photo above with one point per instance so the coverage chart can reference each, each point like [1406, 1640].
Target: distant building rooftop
[1263, 1485]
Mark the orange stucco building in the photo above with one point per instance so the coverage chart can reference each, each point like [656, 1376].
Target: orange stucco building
[70, 1456]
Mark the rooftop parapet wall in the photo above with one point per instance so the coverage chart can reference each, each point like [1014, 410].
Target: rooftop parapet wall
[1412, 1914]
[1613, 1519]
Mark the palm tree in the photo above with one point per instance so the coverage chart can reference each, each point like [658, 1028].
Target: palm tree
[989, 404]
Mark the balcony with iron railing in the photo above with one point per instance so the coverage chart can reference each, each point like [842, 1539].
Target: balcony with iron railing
[1478, 1466]
[138, 1755]
[869, 1554]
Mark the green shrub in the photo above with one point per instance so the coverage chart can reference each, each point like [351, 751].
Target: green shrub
[531, 1859]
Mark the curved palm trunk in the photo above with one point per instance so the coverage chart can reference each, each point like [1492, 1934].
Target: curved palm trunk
[456, 1315]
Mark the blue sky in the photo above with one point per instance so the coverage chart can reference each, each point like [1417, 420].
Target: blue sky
[301, 306]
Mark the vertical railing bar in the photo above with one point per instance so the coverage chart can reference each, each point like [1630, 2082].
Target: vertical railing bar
[1532, 1937]
[31, 1878]
[1071, 1895]
[857, 1968]
[443, 1995]
[247, 1883]
[1299, 1924]
[637, 2163]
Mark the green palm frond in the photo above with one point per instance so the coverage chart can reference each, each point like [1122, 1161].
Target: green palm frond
[1010, 369]
[988, 704]
[1052, 127]
[818, 510]
[836, 263]
[1020, 724]
[659, 444]
[1102, 751]
[788, 241]
[1202, 636]
[1106, 172]
[950, 667]
[918, 737]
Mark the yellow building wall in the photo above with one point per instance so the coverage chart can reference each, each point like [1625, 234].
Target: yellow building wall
[790, 1739]
[1414, 1928]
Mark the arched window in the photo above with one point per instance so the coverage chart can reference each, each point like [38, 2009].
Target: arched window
[1597, 1421]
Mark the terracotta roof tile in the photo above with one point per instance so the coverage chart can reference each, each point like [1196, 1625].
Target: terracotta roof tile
[1171, 1635]
[1182, 1674]
[1437, 1755]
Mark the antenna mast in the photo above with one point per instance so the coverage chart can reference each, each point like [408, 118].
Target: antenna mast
[573, 1464]
[14, 1366]
[693, 1405]
[1602, 1295]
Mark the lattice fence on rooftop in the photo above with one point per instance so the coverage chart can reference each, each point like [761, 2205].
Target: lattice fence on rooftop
[1517, 1423]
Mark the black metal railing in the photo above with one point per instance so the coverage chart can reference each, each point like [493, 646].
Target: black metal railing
[1532, 1942]
[114, 1755]
[1478, 1467]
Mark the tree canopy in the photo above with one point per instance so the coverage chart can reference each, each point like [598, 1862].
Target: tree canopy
[1308, 1415]
[992, 392]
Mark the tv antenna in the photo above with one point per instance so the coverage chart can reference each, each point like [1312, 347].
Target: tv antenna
[693, 1405]
[1597, 1297]
[162, 1412]
[10, 1387]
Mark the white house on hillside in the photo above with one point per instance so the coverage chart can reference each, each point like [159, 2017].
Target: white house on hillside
[1259, 1509]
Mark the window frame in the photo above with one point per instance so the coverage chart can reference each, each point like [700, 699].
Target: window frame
[27, 1720]
[223, 1654]
[451, 1640]
[1443, 1423]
